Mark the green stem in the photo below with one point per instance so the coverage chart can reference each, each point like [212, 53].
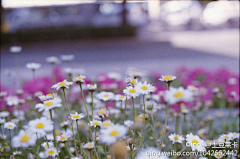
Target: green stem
[92, 103]
[144, 119]
[68, 150]
[164, 129]
[125, 111]
[95, 142]
[186, 123]
[154, 128]
[90, 132]
[54, 135]
[71, 121]
[79, 138]
[133, 109]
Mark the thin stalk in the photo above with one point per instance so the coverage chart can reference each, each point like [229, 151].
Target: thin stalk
[92, 103]
[125, 111]
[54, 135]
[186, 122]
[133, 109]
[177, 120]
[144, 119]
[154, 128]
[95, 142]
[71, 121]
[164, 129]
[90, 132]
[79, 138]
[68, 150]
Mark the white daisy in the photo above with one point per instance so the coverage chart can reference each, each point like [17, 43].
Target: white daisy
[131, 81]
[24, 139]
[128, 123]
[89, 145]
[150, 106]
[95, 123]
[79, 79]
[218, 154]
[226, 137]
[9, 125]
[15, 49]
[67, 58]
[4, 114]
[92, 87]
[102, 113]
[175, 95]
[106, 124]
[33, 66]
[42, 155]
[120, 97]
[195, 142]
[167, 78]
[63, 137]
[105, 96]
[47, 144]
[76, 116]
[15, 153]
[149, 152]
[49, 104]
[234, 135]
[176, 138]
[41, 125]
[112, 133]
[132, 92]
[52, 151]
[52, 60]
[3, 93]
[63, 84]
[193, 89]
[2, 121]
[114, 112]
[48, 96]
[144, 88]
[12, 100]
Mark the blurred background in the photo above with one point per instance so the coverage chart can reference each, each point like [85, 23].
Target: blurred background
[156, 35]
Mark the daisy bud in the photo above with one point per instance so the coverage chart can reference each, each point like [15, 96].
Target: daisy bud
[118, 149]
[19, 91]
[158, 124]
[15, 49]
[185, 111]
[92, 87]
[79, 79]
[150, 107]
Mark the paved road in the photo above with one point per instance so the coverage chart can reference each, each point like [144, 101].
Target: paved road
[157, 53]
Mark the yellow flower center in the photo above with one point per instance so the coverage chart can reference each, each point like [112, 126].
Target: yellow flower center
[40, 125]
[178, 95]
[51, 152]
[106, 124]
[168, 77]
[89, 144]
[133, 81]
[91, 85]
[58, 133]
[9, 126]
[122, 97]
[95, 123]
[226, 137]
[50, 95]
[195, 142]
[218, 155]
[47, 145]
[102, 111]
[144, 87]
[63, 138]
[25, 138]
[83, 124]
[62, 83]
[176, 138]
[106, 95]
[114, 133]
[79, 77]
[48, 104]
[132, 91]
[76, 116]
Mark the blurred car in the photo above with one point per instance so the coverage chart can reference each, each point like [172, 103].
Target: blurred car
[220, 13]
[180, 13]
